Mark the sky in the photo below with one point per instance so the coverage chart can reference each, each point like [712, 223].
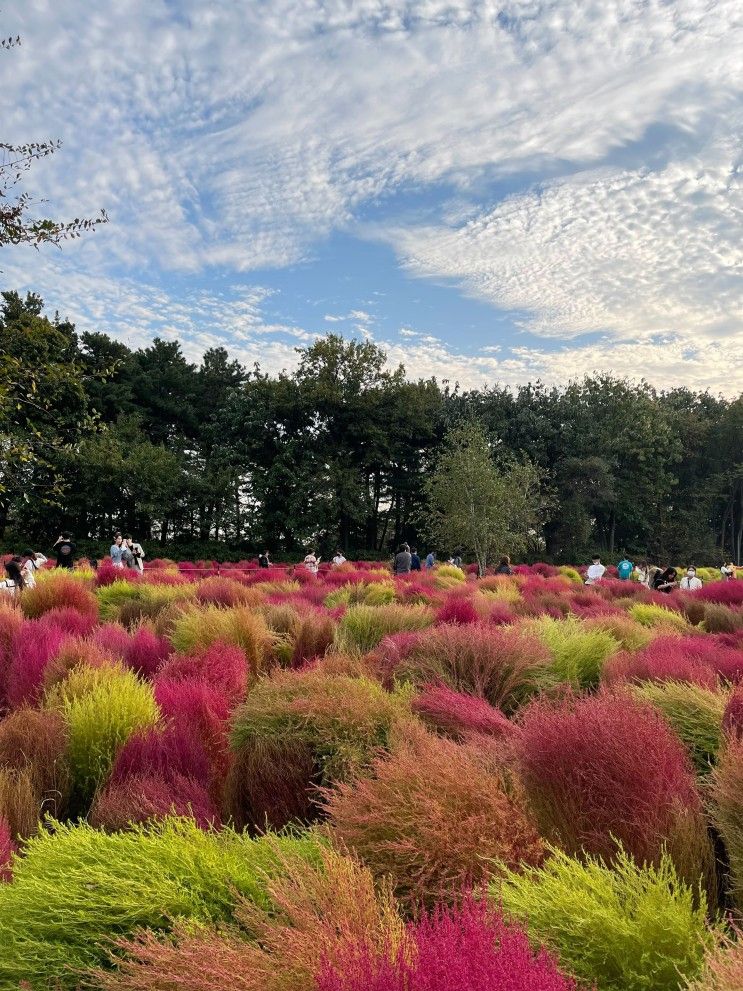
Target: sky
[494, 192]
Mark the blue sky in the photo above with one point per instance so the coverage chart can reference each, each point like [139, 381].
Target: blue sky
[492, 191]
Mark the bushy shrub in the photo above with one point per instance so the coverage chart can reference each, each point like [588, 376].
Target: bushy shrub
[59, 591]
[112, 638]
[201, 710]
[727, 809]
[33, 744]
[32, 647]
[146, 652]
[466, 947]
[197, 629]
[624, 928]
[578, 653]
[313, 635]
[363, 627]
[7, 849]
[160, 752]
[630, 634]
[495, 663]
[101, 708]
[723, 967]
[449, 575]
[19, 803]
[150, 797]
[432, 816]
[459, 610]
[694, 713]
[701, 660]
[607, 768]
[650, 614]
[722, 619]
[319, 911]
[105, 885]
[732, 719]
[74, 653]
[221, 665]
[71, 621]
[457, 715]
[226, 592]
[724, 593]
[335, 722]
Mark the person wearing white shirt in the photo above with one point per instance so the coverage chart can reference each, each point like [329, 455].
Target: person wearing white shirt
[13, 583]
[690, 582]
[595, 571]
[33, 560]
[312, 563]
[339, 559]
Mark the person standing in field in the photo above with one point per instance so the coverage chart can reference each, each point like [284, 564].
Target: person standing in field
[728, 571]
[595, 571]
[263, 560]
[504, 566]
[403, 560]
[430, 560]
[339, 559]
[13, 583]
[135, 557]
[690, 582]
[415, 561]
[312, 563]
[117, 551]
[65, 549]
[625, 569]
[32, 561]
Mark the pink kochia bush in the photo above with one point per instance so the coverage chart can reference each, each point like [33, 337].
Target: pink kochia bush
[221, 665]
[701, 660]
[140, 799]
[457, 715]
[603, 769]
[196, 706]
[146, 652]
[173, 751]
[32, 648]
[732, 719]
[467, 948]
[7, 849]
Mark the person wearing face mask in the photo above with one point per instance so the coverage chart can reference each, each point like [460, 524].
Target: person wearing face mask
[690, 582]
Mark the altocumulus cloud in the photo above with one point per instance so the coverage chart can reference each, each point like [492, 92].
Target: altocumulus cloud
[592, 149]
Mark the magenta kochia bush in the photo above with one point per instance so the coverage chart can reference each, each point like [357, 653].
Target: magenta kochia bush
[732, 719]
[221, 665]
[7, 849]
[172, 751]
[467, 948]
[201, 709]
[141, 799]
[59, 591]
[697, 659]
[456, 715]
[146, 652]
[32, 647]
[607, 768]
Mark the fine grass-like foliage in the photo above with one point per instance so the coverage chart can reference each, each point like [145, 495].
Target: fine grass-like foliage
[630, 634]
[161, 752]
[727, 809]
[701, 660]
[76, 653]
[468, 946]
[146, 652]
[694, 713]
[433, 816]
[19, 804]
[319, 911]
[150, 797]
[605, 769]
[198, 629]
[33, 773]
[652, 615]
[363, 627]
[75, 888]
[339, 721]
[226, 592]
[313, 636]
[202, 711]
[498, 664]
[31, 649]
[222, 665]
[723, 967]
[721, 618]
[456, 715]
[624, 928]
[578, 653]
[102, 708]
[58, 591]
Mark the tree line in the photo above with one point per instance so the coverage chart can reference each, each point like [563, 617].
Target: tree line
[96, 436]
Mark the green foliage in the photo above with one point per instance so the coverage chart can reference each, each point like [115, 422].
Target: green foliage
[578, 653]
[343, 720]
[363, 627]
[572, 574]
[658, 616]
[197, 629]
[102, 708]
[626, 928]
[75, 889]
[478, 505]
[694, 712]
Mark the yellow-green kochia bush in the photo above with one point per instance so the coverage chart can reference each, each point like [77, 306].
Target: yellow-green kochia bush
[619, 928]
[75, 889]
[102, 707]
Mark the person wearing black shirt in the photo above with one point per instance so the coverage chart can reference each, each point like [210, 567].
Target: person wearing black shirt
[263, 561]
[415, 561]
[65, 549]
[665, 581]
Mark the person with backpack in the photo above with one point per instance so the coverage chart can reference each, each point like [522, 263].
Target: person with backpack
[64, 549]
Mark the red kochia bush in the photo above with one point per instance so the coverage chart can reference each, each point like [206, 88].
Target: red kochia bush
[146, 652]
[726, 593]
[467, 948]
[32, 648]
[606, 768]
[458, 609]
[113, 638]
[59, 592]
[314, 635]
[732, 719]
[139, 799]
[456, 715]
[221, 665]
[72, 621]
[173, 751]
[697, 659]
[204, 711]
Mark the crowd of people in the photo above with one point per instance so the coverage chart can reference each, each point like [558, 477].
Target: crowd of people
[126, 552]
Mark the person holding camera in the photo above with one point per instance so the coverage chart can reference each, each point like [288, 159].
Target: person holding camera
[134, 554]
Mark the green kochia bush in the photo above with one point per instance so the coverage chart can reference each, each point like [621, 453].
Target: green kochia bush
[76, 888]
[363, 627]
[102, 708]
[694, 712]
[626, 928]
[578, 652]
